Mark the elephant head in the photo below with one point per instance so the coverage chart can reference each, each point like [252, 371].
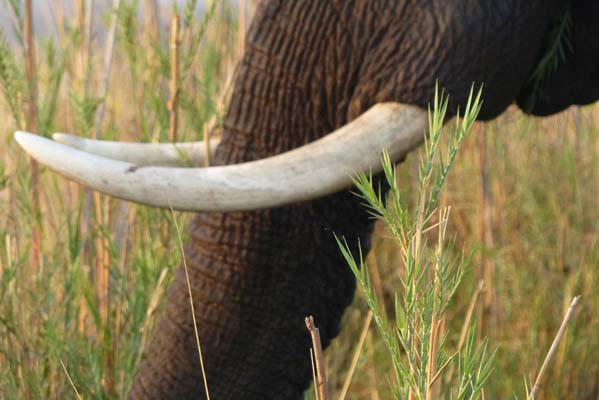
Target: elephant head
[261, 253]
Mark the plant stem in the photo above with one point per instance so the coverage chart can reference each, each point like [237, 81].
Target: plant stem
[553, 349]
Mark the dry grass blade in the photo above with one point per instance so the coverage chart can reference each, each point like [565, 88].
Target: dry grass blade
[152, 307]
[318, 355]
[64, 368]
[356, 356]
[193, 313]
[471, 307]
[553, 348]
[440, 371]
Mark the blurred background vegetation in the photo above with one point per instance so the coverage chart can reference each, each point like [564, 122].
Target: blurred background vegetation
[82, 277]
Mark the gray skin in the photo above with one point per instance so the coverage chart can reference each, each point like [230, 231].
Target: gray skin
[309, 67]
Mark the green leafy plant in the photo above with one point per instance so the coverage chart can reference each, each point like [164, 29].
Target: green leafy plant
[425, 363]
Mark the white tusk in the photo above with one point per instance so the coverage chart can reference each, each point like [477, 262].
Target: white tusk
[311, 171]
[159, 154]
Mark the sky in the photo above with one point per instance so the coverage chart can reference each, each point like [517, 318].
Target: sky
[44, 14]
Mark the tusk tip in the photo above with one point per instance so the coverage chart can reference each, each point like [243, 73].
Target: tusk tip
[31, 142]
[23, 137]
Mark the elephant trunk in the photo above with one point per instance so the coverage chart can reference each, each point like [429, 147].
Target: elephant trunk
[254, 277]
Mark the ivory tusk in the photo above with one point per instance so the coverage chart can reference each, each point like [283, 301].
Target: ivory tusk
[308, 172]
[158, 154]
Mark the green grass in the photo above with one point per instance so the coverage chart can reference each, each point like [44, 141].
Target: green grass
[542, 174]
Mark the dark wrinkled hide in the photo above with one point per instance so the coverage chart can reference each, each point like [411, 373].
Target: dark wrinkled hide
[309, 67]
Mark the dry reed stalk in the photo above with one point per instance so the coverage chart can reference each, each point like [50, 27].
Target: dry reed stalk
[321, 374]
[172, 103]
[84, 20]
[83, 79]
[151, 35]
[356, 357]
[431, 368]
[314, 374]
[561, 352]
[102, 282]
[436, 319]
[416, 250]
[102, 273]
[82, 315]
[553, 349]
[32, 127]
[207, 135]
[102, 265]
[80, 13]
[488, 310]
[242, 26]
[174, 82]
[411, 395]
[151, 21]
[433, 385]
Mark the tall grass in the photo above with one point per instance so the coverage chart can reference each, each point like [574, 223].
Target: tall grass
[544, 185]
[67, 325]
[542, 176]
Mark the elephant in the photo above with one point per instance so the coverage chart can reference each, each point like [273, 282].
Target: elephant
[261, 253]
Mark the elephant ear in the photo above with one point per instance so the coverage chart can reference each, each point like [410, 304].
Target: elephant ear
[568, 72]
